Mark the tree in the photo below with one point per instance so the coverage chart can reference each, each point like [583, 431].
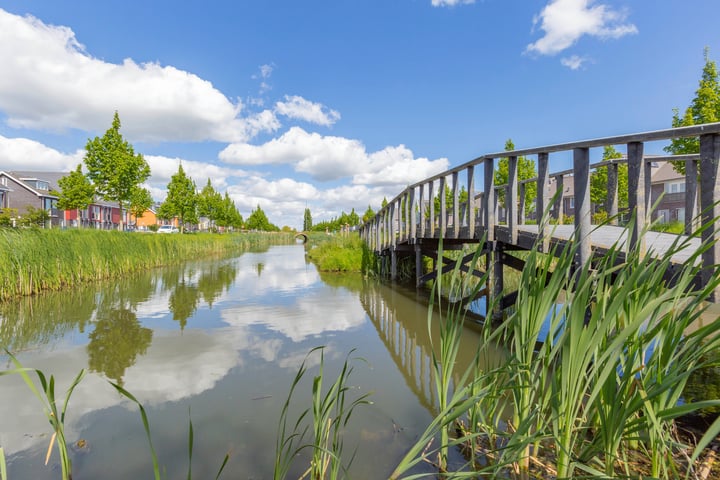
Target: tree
[229, 215]
[368, 215]
[181, 199]
[209, 203]
[140, 201]
[704, 108]
[76, 191]
[525, 171]
[113, 167]
[259, 221]
[307, 220]
[598, 181]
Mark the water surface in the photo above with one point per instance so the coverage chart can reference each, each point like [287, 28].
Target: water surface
[218, 342]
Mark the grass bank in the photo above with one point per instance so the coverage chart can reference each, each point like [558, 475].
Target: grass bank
[336, 253]
[36, 260]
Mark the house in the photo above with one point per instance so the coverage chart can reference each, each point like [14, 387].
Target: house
[667, 185]
[22, 190]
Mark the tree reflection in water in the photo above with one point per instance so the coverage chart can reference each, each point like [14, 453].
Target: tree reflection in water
[116, 342]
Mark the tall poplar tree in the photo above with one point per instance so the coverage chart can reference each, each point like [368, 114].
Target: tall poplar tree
[704, 108]
[307, 220]
[113, 166]
[76, 191]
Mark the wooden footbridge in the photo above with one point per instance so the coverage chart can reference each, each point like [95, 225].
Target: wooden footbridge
[412, 225]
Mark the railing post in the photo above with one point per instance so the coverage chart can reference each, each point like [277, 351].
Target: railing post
[637, 196]
[431, 202]
[521, 204]
[406, 210]
[511, 199]
[443, 208]
[543, 199]
[471, 201]
[691, 189]
[422, 210]
[611, 202]
[581, 182]
[489, 198]
[456, 206]
[412, 218]
[710, 207]
[559, 210]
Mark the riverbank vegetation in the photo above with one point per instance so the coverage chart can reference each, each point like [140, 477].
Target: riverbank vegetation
[336, 253]
[35, 260]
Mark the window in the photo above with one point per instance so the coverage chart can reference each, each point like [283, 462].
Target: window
[681, 215]
[42, 185]
[675, 187]
[571, 202]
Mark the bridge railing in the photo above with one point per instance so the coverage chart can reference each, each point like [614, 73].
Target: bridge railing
[413, 214]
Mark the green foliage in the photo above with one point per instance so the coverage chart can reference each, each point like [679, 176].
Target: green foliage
[259, 221]
[307, 220]
[210, 204]
[34, 217]
[675, 227]
[113, 167]
[181, 201]
[7, 215]
[340, 254]
[598, 181]
[228, 215]
[76, 191]
[338, 224]
[140, 201]
[704, 108]
[368, 215]
[525, 170]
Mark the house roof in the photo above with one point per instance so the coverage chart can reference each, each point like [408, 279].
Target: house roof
[666, 173]
[18, 177]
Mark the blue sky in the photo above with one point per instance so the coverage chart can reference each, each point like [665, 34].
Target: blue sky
[334, 105]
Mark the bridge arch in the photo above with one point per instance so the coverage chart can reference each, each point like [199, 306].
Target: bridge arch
[303, 236]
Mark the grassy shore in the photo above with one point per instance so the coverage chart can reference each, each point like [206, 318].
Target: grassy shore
[35, 260]
[342, 253]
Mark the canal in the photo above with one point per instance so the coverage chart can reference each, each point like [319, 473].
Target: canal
[217, 343]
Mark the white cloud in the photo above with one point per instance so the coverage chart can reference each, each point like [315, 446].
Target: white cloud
[451, 3]
[156, 103]
[565, 21]
[298, 108]
[332, 158]
[573, 62]
[26, 154]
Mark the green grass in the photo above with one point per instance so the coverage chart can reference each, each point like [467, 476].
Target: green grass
[36, 260]
[337, 253]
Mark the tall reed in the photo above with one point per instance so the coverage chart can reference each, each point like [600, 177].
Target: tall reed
[34, 260]
[329, 414]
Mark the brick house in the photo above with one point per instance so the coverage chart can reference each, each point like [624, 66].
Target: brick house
[22, 190]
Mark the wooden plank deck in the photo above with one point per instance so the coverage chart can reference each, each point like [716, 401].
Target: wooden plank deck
[603, 238]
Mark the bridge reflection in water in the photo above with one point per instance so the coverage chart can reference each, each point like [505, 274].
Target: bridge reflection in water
[400, 317]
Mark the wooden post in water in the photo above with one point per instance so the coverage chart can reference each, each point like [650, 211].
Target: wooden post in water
[492, 258]
[710, 206]
[581, 183]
